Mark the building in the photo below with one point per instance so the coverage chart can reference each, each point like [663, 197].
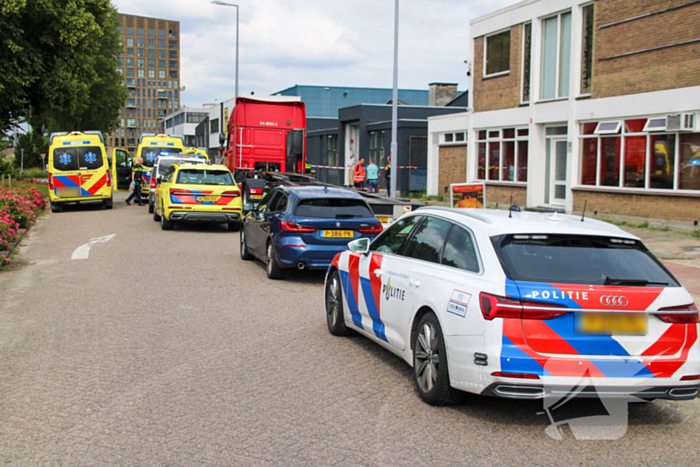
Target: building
[150, 63]
[183, 122]
[582, 102]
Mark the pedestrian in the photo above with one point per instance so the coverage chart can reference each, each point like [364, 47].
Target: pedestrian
[136, 177]
[359, 175]
[387, 178]
[373, 177]
[351, 169]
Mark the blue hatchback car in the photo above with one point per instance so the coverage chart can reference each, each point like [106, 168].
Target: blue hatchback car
[304, 227]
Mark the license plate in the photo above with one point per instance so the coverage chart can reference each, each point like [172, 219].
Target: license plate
[208, 199]
[625, 324]
[256, 196]
[337, 233]
[383, 219]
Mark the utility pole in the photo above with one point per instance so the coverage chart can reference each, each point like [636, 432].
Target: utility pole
[394, 104]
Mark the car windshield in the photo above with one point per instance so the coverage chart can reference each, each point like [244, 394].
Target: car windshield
[333, 208]
[204, 177]
[150, 154]
[577, 259]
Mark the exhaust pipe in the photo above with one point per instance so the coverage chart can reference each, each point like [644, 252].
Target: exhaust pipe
[301, 265]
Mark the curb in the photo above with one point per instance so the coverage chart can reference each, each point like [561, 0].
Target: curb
[15, 244]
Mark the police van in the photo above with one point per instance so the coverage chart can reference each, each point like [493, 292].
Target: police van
[78, 169]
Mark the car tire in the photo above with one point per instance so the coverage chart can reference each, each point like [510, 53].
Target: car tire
[271, 267]
[164, 223]
[156, 217]
[109, 204]
[234, 226]
[430, 370]
[55, 207]
[245, 254]
[335, 316]
[151, 208]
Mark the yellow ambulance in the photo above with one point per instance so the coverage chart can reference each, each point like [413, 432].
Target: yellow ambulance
[150, 147]
[78, 169]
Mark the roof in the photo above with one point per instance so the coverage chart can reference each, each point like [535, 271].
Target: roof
[201, 166]
[499, 222]
[322, 192]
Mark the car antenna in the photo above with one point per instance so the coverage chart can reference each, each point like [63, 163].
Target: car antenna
[510, 207]
[584, 210]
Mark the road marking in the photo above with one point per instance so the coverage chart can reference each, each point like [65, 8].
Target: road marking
[83, 251]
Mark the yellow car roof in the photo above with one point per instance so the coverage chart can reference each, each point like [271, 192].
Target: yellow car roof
[189, 165]
[76, 138]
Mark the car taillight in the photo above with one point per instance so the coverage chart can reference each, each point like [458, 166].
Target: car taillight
[153, 183]
[686, 314]
[255, 191]
[493, 306]
[109, 179]
[690, 378]
[292, 227]
[372, 230]
[50, 181]
[515, 375]
[231, 194]
[179, 191]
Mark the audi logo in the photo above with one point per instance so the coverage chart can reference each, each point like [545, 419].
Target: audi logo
[611, 300]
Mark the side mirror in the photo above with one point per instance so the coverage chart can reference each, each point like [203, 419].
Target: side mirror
[361, 245]
[222, 138]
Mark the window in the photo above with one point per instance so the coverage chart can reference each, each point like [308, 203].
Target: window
[161, 73]
[120, 70]
[119, 29]
[172, 44]
[129, 31]
[173, 64]
[214, 125]
[129, 52]
[130, 72]
[332, 150]
[151, 33]
[527, 60]
[129, 42]
[458, 137]
[197, 117]
[139, 31]
[502, 155]
[497, 53]
[152, 62]
[556, 56]
[161, 44]
[587, 49]
[140, 62]
[151, 43]
[460, 251]
[161, 33]
[376, 147]
[140, 42]
[172, 74]
[161, 63]
[172, 54]
[280, 203]
[333, 208]
[204, 177]
[689, 178]
[140, 73]
[151, 73]
[392, 239]
[140, 53]
[130, 122]
[161, 54]
[426, 243]
[129, 62]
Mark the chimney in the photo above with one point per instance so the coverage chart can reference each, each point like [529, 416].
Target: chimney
[441, 93]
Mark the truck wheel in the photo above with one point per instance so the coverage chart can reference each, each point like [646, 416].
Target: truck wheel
[55, 207]
[109, 203]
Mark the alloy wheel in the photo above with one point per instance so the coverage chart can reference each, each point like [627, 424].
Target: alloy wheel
[427, 357]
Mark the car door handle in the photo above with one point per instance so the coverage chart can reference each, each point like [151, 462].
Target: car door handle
[379, 273]
[414, 283]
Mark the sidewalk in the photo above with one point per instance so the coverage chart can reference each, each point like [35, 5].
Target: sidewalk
[679, 252]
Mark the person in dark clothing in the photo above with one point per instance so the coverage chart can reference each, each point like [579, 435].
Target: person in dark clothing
[387, 178]
[136, 178]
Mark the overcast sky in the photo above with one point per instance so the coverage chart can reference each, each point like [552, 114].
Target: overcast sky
[316, 42]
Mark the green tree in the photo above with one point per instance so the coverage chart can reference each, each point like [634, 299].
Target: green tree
[59, 64]
[34, 144]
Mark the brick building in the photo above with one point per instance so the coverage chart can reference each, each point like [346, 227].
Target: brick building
[579, 101]
[150, 63]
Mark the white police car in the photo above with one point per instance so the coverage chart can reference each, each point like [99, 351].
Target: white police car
[518, 305]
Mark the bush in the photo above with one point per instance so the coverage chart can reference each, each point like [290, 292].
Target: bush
[19, 208]
[35, 173]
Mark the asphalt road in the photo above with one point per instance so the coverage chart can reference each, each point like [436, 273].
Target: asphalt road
[164, 348]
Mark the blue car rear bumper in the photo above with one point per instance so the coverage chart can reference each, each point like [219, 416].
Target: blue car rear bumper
[292, 250]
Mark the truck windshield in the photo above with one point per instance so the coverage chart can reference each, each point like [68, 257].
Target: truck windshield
[578, 259]
[333, 208]
[204, 177]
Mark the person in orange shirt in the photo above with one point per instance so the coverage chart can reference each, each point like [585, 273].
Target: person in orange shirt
[360, 174]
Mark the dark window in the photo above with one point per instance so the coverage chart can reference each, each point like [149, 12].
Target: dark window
[498, 53]
[392, 239]
[279, 204]
[204, 177]
[89, 157]
[65, 159]
[214, 125]
[460, 251]
[426, 243]
[597, 260]
[164, 165]
[267, 201]
[334, 208]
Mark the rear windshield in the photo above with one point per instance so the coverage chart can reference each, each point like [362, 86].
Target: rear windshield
[334, 208]
[150, 154]
[204, 177]
[570, 259]
[77, 158]
[164, 165]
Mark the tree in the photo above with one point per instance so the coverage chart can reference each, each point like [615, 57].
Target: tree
[34, 144]
[61, 64]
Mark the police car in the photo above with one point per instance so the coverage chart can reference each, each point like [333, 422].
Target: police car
[518, 305]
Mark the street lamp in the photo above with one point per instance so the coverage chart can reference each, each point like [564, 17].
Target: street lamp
[218, 2]
[394, 105]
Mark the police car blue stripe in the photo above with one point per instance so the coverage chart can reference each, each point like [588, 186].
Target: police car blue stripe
[514, 360]
[623, 368]
[377, 324]
[564, 326]
[350, 297]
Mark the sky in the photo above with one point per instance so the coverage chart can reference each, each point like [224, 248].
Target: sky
[316, 42]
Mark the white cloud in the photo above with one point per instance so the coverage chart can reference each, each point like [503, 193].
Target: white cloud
[322, 42]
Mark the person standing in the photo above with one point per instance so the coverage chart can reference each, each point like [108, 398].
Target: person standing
[351, 172]
[136, 178]
[387, 178]
[373, 177]
[359, 174]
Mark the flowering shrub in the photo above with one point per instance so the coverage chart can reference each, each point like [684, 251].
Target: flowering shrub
[19, 207]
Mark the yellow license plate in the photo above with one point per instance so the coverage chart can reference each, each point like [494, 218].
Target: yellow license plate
[626, 324]
[383, 219]
[256, 196]
[208, 199]
[338, 233]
